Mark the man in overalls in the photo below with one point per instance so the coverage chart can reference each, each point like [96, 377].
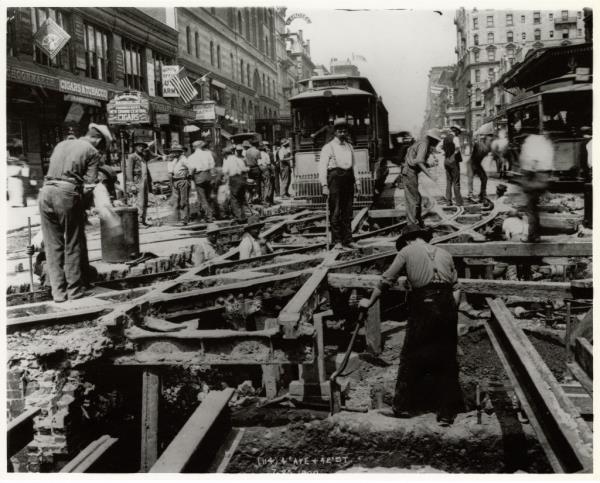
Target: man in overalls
[428, 357]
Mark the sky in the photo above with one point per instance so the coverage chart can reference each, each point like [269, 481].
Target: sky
[400, 47]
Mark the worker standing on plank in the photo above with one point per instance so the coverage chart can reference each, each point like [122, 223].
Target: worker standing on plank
[338, 175]
[416, 158]
[73, 168]
[252, 245]
[430, 345]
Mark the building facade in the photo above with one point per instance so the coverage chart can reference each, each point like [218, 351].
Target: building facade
[109, 51]
[488, 42]
[299, 51]
[440, 98]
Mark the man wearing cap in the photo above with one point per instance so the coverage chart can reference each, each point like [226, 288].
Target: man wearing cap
[452, 158]
[252, 245]
[285, 168]
[254, 173]
[180, 182]
[202, 165]
[429, 351]
[338, 174]
[206, 248]
[264, 163]
[138, 175]
[234, 168]
[73, 167]
[416, 158]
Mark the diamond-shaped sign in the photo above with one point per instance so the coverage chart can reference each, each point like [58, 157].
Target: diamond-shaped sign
[51, 38]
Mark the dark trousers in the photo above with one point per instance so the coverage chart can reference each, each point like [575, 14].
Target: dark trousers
[341, 196]
[62, 221]
[142, 198]
[181, 199]
[534, 185]
[204, 189]
[453, 181]
[285, 170]
[428, 372]
[481, 174]
[410, 182]
[255, 175]
[276, 188]
[237, 190]
[267, 185]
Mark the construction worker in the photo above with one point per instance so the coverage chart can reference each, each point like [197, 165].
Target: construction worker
[430, 345]
[139, 178]
[202, 164]
[481, 149]
[338, 174]
[416, 158]
[73, 168]
[264, 163]
[251, 244]
[206, 248]
[252, 156]
[179, 172]
[275, 164]
[452, 159]
[285, 168]
[235, 169]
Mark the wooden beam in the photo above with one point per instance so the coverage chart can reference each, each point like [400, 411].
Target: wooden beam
[359, 219]
[181, 454]
[150, 402]
[91, 456]
[373, 329]
[20, 431]
[565, 435]
[501, 288]
[584, 355]
[581, 376]
[519, 249]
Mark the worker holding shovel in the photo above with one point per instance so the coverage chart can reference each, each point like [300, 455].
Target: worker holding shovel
[428, 357]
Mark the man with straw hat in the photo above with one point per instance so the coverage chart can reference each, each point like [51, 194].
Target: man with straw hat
[430, 345]
[251, 245]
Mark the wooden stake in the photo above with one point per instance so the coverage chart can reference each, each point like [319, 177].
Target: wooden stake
[150, 398]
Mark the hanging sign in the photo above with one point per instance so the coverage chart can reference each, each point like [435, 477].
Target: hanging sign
[51, 38]
[294, 16]
[162, 119]
[129, 108]
[168, 72]
[205, 111]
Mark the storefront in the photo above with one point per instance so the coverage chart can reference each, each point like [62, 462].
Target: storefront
[170, 120]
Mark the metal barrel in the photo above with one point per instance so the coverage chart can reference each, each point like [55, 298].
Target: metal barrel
[120, 246]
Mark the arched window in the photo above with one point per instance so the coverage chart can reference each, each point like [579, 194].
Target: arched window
[231, 18]
[250, 109]
[254, 27]
[233, 102]
[256, 81]
[476, 39]
[243, 107]
[509, 36]
[241, 71]
[212, 53]
[248, 74]
[240, 24]
[232, 66]
[197, 44]
[265, 113]
[247, 18]
[219, 56]
[188, 34]
[490, 38]
[263, 88]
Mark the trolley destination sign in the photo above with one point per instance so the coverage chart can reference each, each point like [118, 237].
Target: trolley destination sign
[129, 108]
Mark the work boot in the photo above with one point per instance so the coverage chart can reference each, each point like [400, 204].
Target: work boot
[338, 246]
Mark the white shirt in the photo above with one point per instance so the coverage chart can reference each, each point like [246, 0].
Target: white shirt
[249, 247]
[178, 167]
[264, 159]
[336, 154]
[537, 154]
[232, 165]
[201, 160]
[203, 251]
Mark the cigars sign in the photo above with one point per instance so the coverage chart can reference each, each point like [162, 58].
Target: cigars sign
[129, 108]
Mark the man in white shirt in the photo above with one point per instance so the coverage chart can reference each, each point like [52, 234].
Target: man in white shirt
[206, 248]
[252, 245]
[180, 183]
[285, 167]
[264, 163]
[202, 164]
[338, 174]
[234, 168]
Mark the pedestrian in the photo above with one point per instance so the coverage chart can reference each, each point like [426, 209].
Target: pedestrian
[479, 152]
[206, 249]
[251, 244]
[254, 173]
[17, 170]
[73, 167]
[275, 164]
[285, 167]
[264, 163]
[139, 178]
[179, 172]
[499, 150]
[428, 371]
[328, 130]
[202, 165]
[338, 175]
[235, 169]
[452, 159]
[537, 162]
[415, 161]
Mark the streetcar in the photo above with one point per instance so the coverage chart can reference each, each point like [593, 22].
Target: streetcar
[323, 99]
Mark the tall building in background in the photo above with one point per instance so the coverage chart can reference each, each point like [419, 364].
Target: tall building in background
[299, 50]
[489, 42]
[440, 97]
[345, 67]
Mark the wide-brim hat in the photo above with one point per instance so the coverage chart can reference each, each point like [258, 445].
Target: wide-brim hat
[285, 142]
[140, 143]
[340, 122]
[253, 222]
[228, 149]
[246, 144]
[239, 147]
[410, 232]
[102, 129]
[455, 128]
[265, 143]
[176, 148]
[212, 228]
[434, 134]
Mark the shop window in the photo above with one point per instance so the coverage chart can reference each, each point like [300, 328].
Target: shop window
[509, 19]
[509, 36]
[97, 48]
[38, 16]
[490, 37]
[134, 66]
[476, 39]
[536, 17]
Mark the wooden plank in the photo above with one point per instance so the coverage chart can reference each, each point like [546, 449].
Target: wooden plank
[503, 288]
[320, 343]
[20, 430]
[238, 434]
[584, 356]
[581, 376]
[91, 455]
[150, 402]
[358, 220]
[567, 433]
[137, 334]
[178, 456]
[387, 213]
[373, 329]
[518, 249]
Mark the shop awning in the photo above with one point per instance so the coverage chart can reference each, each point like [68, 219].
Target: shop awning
[164, 106]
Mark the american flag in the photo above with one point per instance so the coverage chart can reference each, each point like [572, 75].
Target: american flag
[183, 86]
